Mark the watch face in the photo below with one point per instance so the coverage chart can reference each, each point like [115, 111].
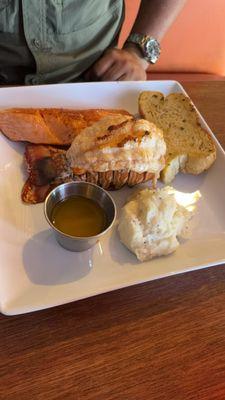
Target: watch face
[152, 50]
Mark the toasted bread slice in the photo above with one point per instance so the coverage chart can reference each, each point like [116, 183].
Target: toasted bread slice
[190, 148]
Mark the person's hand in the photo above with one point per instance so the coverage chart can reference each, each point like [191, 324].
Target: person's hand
[118, 65]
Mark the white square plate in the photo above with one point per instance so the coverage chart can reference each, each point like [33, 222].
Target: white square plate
[35, 272]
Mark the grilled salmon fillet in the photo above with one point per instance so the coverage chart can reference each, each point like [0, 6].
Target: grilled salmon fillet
[49, 125]
[114, 151]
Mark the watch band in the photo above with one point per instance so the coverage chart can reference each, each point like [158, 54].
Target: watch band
[138, 38]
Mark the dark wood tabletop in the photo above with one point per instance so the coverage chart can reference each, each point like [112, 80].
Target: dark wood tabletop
[161, 340]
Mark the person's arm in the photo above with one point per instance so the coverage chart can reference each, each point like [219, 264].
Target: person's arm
[154, 18]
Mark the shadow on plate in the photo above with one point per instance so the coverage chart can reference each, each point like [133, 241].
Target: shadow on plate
[119, 252]
[47, 263]
[18, 146]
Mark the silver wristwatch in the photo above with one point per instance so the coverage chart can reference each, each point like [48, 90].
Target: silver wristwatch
[148, 45]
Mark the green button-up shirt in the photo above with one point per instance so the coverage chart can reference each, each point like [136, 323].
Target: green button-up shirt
[50, 41]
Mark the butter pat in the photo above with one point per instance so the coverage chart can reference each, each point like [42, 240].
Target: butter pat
[152, 222]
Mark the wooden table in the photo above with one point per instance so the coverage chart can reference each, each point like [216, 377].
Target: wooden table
[162, 340]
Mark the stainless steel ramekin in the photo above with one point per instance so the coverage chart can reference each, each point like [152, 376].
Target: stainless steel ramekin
[85, 189]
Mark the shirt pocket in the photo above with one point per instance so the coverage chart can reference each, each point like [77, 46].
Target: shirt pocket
[68, 16]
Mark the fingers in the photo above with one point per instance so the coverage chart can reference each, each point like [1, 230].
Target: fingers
[96, 72]
[114, 73]
[117, 65]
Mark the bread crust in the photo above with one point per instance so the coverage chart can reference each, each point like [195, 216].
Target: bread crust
[53, 126]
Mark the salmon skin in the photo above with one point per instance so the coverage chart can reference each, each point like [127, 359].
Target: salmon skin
[51, 126]
[48, 167]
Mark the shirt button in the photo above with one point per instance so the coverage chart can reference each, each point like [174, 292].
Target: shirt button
[36, 43]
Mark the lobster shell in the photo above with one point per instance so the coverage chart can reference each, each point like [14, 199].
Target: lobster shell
[48, 167]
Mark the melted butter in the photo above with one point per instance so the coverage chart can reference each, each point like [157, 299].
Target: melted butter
[79, 216]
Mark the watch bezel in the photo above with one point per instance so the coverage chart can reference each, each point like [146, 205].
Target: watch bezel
[152, 54]
[143, 42]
